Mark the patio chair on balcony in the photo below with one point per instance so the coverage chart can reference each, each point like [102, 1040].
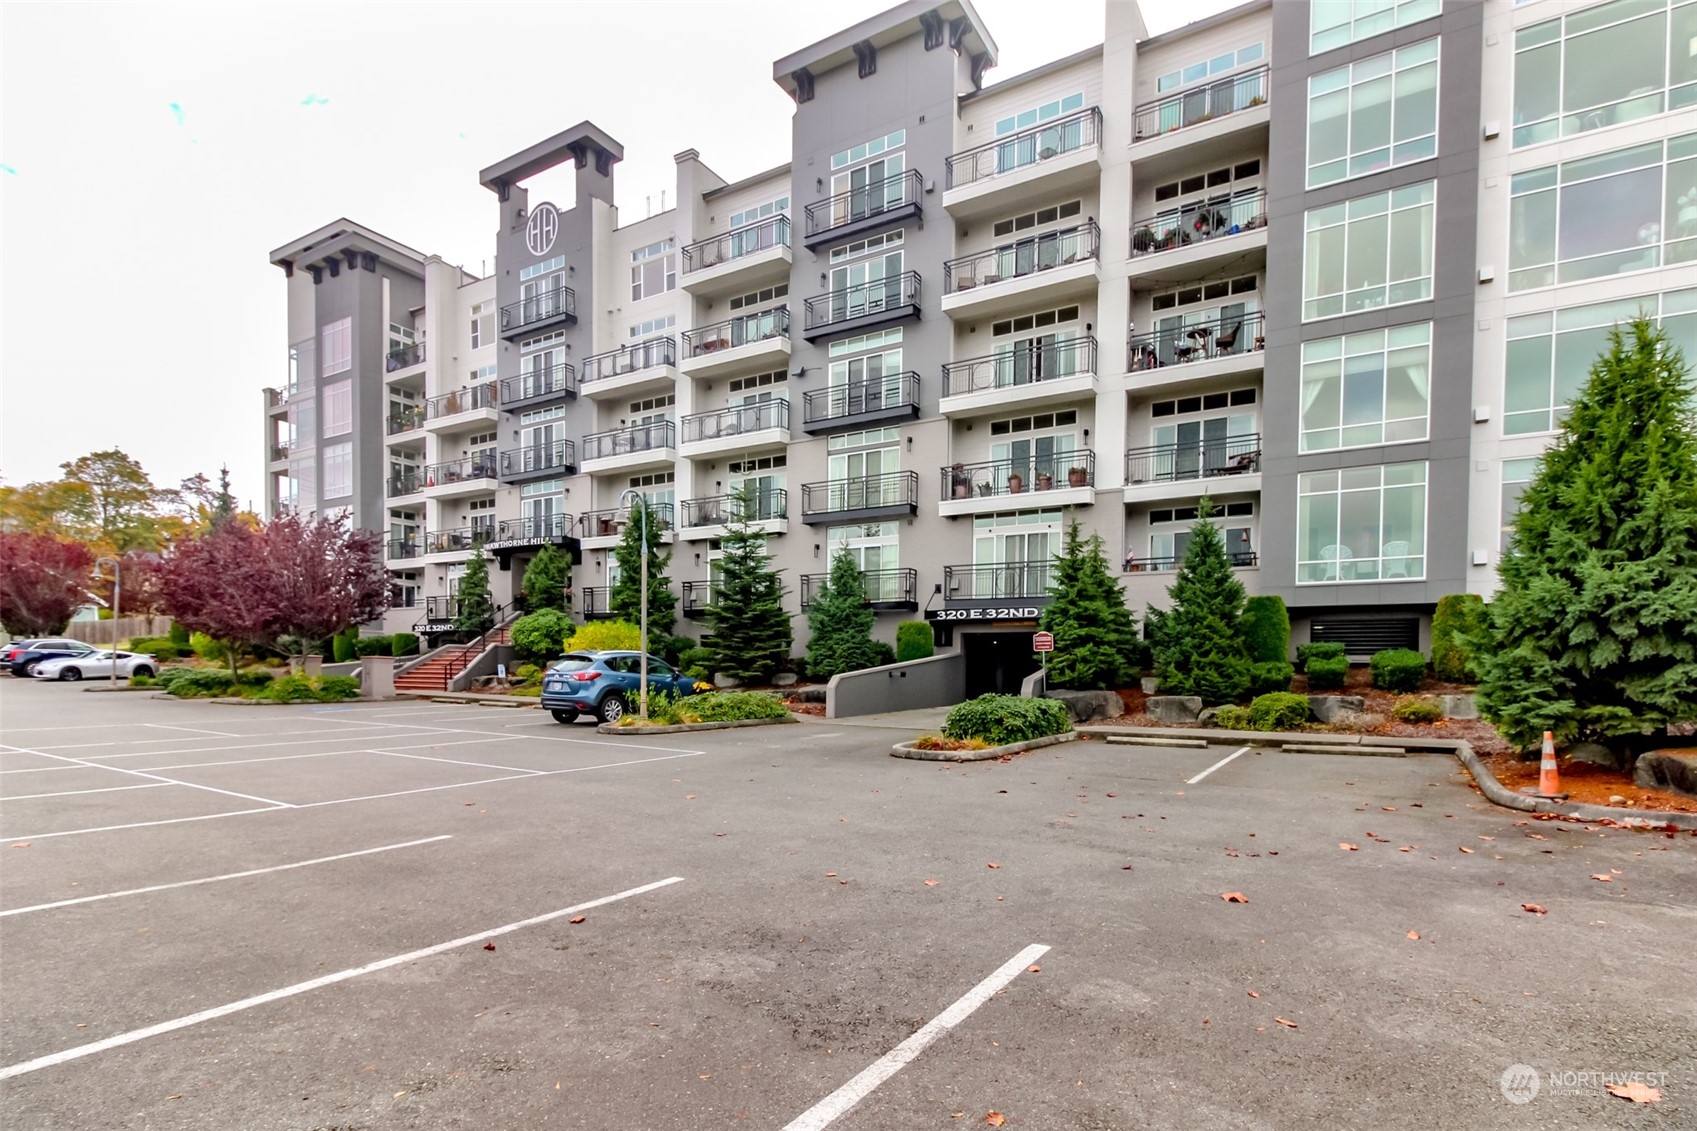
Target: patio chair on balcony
[1395, 555]
[1335, 556]
[1227, 342]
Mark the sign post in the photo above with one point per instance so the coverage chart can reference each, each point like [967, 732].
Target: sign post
[1043, 643]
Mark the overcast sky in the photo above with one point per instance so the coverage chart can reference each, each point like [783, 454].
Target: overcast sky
[151, 155]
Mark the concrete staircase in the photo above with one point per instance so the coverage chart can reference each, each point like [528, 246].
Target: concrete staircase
[437, 671]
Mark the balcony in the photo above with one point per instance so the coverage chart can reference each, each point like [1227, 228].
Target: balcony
[868, 498]
[456, 543]
[595, 603]
[1036, 372]
[708, 518]
[739, 428]
[539, 387]
[1185, 471]
[697, 595]
[1056, 157]
[517, 534]
[740, 260]
[1062, 479]
[1027, 582]
[746, 344]
[464, 408]
[1204, 122]
[280, 451]
[557, 307]
[652, 443]
[859, 212]
[405, 484]
[601, 530]
[856, 404]
[472, 475]
[1194, 241]
[276, 400]
[1244, 560]
[642, 367]
[539, 461]
[404, 358]
[406, 418]
[1027, 274]
[404, 549]
[1199, 351]
[884, 590]
[862, 306]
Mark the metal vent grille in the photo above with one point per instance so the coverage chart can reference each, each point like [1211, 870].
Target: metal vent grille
[1361, 638]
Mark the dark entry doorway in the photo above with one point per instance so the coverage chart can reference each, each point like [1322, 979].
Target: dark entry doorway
[997, 662]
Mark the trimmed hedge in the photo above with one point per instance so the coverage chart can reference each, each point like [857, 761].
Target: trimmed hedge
[1265, 628]
[374, 646]
[1398, 669]
[161, 647]
[1001, 719]
[913, 641]
[1459, 627]
[1417, 711]
[180, 635]
[1327, 673]
[734, 706]
[342, 644]
[207, 648]
[1233, 718]
[1280, 710]
[1327, 650]
[303, 689]
[403, 644]
[1269, 676]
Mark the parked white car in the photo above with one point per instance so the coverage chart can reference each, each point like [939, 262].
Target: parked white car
[97, 665]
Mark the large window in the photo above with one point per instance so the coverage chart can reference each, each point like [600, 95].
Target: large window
[875, 548]
[857, 463]
[653, 271]
[1550, 353]
[1018, 152]
[339, 408]
[1362, 524]
[1371, 251]
[861, 178]
[774, 207]
[338, 347]
[1373, 115]
[1627, 210]
[1517, 476]
[1333, 23]
[1203, 68]
[1368, 388]
[338, 471]
[1603, 65]
[482, 324]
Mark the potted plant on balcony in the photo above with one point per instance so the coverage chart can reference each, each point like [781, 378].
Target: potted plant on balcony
[1077, 477]
[1143, 240]
[1045, 481]
[1016, 483]
[960, 482]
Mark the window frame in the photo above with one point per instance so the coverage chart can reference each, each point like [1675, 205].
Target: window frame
[1369, 69]
[666, 270]
[336, 349]
[339, 457]
[338, 395]
[1341, 359]
[1348, 221]
[1398, 10]
[1307, 488]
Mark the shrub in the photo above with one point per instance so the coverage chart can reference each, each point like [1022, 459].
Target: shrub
[938, 742]
[1327, 650]
[374, 646]
[403, 644]
[1327, 673]
[672, 648]
[160, 647]
[1270, 675]
[168, 676]
[1265, 628]
[1279, 710]
[288, 689]
[1460, 626]
[143, 681]
[526, 673]
[732, 706]
[342, 644]
[334, 687]
[254, 679]
[180, 635]
[208, 649]
[882, 654]
[1001, 719]
[913, 641]
[1233, 718]
[1398, 669]
[1417, 711]
[697, 661]
[541, 635]
[197, 683]
[605, 635]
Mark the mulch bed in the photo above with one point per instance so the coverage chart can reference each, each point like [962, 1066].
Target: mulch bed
[1589, 784]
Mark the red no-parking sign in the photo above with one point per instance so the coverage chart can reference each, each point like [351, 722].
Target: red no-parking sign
[1043, 642]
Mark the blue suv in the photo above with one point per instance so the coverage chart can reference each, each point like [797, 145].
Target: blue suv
[606, 684]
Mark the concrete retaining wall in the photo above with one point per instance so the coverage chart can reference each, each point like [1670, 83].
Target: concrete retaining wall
[935, 681]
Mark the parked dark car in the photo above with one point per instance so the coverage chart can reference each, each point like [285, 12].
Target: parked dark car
[605, 684]
[21, 662]
[14, 649]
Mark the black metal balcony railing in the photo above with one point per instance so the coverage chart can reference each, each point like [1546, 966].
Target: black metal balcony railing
[555, 381]
[458, 539]
[895, 489]
[1242, 559]
[1025, 148]
[546, 306]
[1025, 580]
[406, 547]
[893, 294]
[737, 243]
[280, 451]
[893, 192]
[1166, 463]
[610, 523]
[462, 400]
[1030, 361]
[720, 510]
[1200, 104]
[1038, 473]
[1223, 336]
[404, 358]
[734, 332]
[736, 420]
[1199, 221]
[631, 359]
[1022, 257]
[648, 436]
[409, 483]
[535, 527]
[407, 418]
[889, 588]
[594, 603]
[890, 393]
[557, 455]
[697, 596]
[480, 465]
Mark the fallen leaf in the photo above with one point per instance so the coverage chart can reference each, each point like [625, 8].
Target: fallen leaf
[830, 875]
[1033, 969]
[689, 797]
[931, 883]
[1636, 1092]
[488, 946]
[578, 918]
[1603, 877]
[1260, 1028]
[1467, 850]
[21, 844]
[1406, 848]
[1415, 935]
[1346, 846]
[992, 865]
[398, 1095]
[1535, 908]
[1537, 836]
[994, 1119]
[1388, 808]
[179, 1096]
[1234, 897]
[1253, 993]
[709, 1076]
[1110, 795]
[1204, 1021]
[962, 1114]
[1487, 837]
[1286, 1024]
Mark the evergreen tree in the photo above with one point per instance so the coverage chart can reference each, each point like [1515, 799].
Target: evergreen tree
[626, 597]
[1594, 631]
[223, 503]
[475, 611]
[545, 580]
[751, 632]
[1198, 648]
[839, 622]
[1095, 634]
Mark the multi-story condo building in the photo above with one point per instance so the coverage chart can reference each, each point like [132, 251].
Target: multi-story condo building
[1334, 267]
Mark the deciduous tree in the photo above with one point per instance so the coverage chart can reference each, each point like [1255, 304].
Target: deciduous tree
[223, 586]
[326, 578]
[43, 581]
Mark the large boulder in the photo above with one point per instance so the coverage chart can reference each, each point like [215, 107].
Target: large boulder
[1593, 752]
[1458, 706]
[1336, 708]
[1084, 706]
[1174, 708]
[784, 679]
[1672, 770]
[1150, 684]
[814, 694]
[726, 682]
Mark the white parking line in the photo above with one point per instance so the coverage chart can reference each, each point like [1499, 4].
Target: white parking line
[196, 730]
[216, 879]
[838, 1103]
[155, 777]
[458, 762]
[80, 792]
[135, 1035]
[1216, 765]
[324, 754]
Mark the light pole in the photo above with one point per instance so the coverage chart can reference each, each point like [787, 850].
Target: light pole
[117, 591]
[641, 502]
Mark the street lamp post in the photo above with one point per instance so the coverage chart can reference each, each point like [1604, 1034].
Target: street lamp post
[639, 501]
[117, 592]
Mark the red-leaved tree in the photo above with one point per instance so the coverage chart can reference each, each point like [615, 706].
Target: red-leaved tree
[223, 585]
[325, 576]
[42, 582]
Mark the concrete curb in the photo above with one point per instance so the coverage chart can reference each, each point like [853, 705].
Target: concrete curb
[1346, 743]
[1499, 794]
[103, 688]
[906, 750]
[685, 728]
[471, 697]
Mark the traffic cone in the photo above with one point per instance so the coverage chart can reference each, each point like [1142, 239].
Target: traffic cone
[1549, 777]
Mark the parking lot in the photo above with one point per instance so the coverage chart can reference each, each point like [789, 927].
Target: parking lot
[429, 915]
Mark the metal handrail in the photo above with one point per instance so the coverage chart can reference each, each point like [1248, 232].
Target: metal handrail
[553, 381]
[720, 510]
[596, 602]
[869, 394]
[459, 538]
[1025, 148]
[630, 359]
[650, 435]
[871, 297]
[540, 307]
[1023, 257]
[773, 322]
[698, 596]
[1198, 221]
[404, 358]
[408, 484]
[407, 419]
[997, 581]
[609, 523]
[1222, 336]
[895, 191]
[1239, 560]
[498, 620]
[736, 420]
[547, 526]
[1201, 103]
[1030, 361]
[560, 454]
[1204, 459]
[992, 478]
[762, 235]
[864, 492]
[877, 586]
[462, 400]
[405, 547]
[479, 466]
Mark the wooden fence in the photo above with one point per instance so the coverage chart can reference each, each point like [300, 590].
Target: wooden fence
[112, 631]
